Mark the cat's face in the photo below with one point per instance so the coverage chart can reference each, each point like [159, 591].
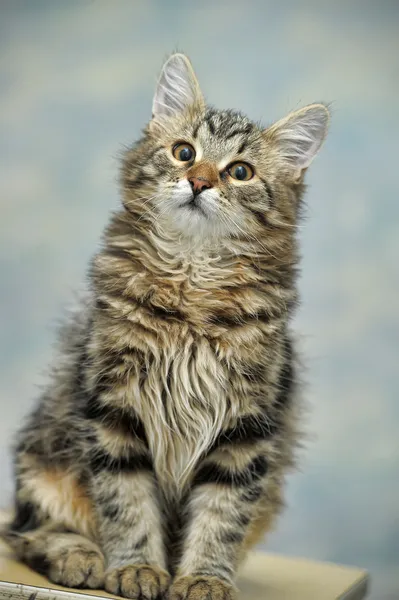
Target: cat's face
[213, 179]
[210, 173]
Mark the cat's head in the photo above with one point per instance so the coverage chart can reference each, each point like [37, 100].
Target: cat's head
[205, 172]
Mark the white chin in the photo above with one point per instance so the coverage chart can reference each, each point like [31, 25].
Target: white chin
[194, 221]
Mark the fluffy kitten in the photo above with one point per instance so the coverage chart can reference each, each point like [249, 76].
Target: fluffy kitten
[157, 454]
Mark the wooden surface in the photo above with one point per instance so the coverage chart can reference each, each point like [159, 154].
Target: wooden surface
[264, 576]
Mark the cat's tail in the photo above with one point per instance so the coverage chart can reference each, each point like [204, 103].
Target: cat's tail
[6, 520]
[16, 524]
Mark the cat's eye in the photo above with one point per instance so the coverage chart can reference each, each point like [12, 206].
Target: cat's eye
[183, 152]
[240, 171]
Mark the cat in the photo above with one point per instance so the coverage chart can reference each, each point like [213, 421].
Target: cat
[157, 454]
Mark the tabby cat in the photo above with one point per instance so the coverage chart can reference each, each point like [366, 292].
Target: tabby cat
[156, 455]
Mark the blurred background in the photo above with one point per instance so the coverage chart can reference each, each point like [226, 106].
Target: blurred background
[76, 84]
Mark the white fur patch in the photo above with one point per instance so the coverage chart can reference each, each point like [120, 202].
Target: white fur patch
[182, 403]
[207, 221]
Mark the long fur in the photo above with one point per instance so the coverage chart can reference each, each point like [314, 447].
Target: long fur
[160, 445]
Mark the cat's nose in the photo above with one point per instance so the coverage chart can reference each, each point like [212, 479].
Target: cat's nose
[199, 184]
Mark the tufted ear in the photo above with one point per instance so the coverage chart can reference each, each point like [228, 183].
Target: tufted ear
[300, 135]
[177, 88]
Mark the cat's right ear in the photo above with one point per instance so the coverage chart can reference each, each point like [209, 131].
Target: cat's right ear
[177, 89]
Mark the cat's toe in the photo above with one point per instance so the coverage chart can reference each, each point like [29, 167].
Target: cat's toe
[78, 567]
[200, 588]
[144, 582]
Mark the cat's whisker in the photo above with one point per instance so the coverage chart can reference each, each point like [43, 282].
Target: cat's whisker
[287, 225]
[155, 214]
[246, 234]
[226, 219]
[148, 210]
[144, 198]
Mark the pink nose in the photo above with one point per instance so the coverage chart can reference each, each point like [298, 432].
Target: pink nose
[199, 184]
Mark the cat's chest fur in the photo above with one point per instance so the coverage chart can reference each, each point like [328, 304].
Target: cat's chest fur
[182, 394]
[190, 288]
[179, 381]
[186, 390]
[182, 404]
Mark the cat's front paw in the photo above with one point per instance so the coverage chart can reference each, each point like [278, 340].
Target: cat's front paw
[200, 588]
[77, 567]
[144, 582]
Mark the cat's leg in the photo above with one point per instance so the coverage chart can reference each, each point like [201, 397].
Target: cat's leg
[117, 509]
[130, 524]
[235, 496]
[53, 526]
[130, 530]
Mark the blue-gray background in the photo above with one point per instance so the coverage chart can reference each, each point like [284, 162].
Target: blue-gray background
[76, 82]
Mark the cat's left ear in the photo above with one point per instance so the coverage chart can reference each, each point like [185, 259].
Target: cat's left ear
[177, 88]
[298, 136]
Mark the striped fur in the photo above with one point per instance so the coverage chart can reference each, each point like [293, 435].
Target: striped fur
[160, 446]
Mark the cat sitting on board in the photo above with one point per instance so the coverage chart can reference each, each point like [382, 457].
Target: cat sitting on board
[156, 456]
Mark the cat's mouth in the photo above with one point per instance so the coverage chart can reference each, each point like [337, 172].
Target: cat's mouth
[194, 204]
[196, 214]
